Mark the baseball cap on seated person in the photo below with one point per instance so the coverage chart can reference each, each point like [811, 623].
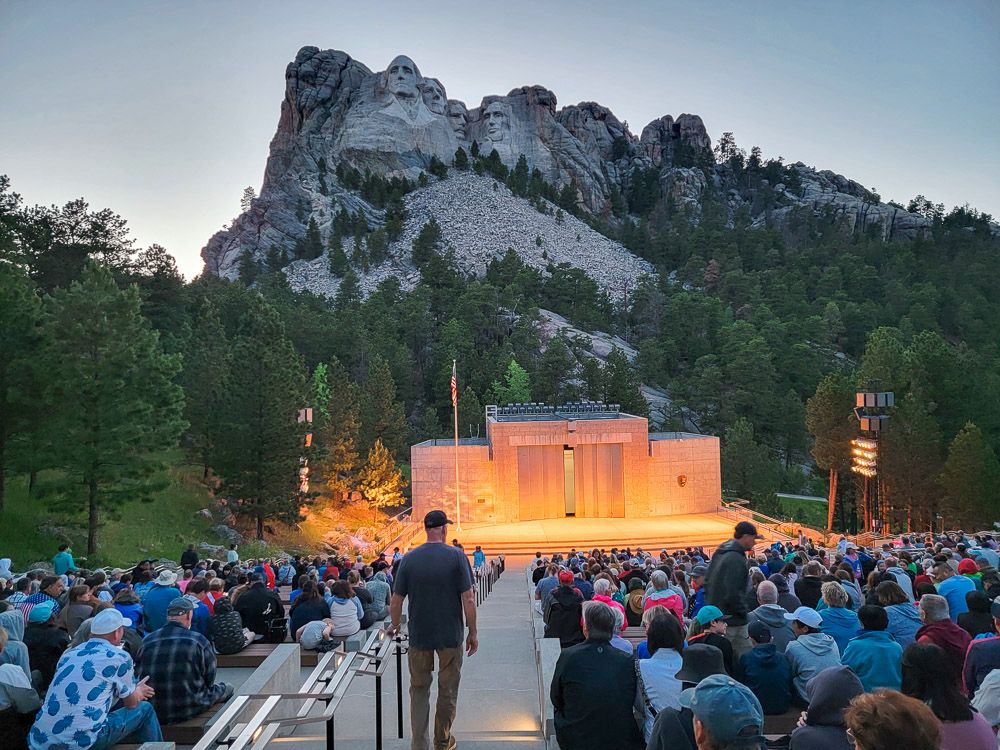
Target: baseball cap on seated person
[728, 710]
[435, 519]
[807, 616]
[107, 621]
[708, 614]
[41, 612]
[565, 577]
[180, 606]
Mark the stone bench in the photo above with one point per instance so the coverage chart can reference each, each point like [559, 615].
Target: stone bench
[279, 672]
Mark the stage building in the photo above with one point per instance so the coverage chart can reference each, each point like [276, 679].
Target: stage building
[581, 460]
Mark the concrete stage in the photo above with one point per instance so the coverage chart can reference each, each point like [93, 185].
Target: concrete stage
[560, 534]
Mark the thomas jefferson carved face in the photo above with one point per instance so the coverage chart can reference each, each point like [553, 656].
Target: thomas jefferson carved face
[402, 76]
[497, 120]
[458, 116]
[433, 94]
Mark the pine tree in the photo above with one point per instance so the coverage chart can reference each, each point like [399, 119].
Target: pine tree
[747, 469]
[381, 482]
[114, 405]
[621, 386]
[461, 159]
[471, 415]
[20, 376]
[338, 262]
[382, 416]
[348, 293]
[970, 479]
[910, 459]
[516, 387]
[830, 421]
[246, 201]
[206, 370]
[312, 245]
[427, 242]
[258, 461]
[592, 375]
[335, 434]
[554, 370]
[518, 180]
[427, 426]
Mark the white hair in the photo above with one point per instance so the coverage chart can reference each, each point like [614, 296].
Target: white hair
[619, 619]
[602, 586]
[767, 593]
[659, 580]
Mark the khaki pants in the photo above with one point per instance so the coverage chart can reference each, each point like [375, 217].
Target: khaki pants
[449, 674]
[739, 638]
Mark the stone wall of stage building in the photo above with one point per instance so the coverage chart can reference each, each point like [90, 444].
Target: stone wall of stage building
[432, 465]
[629, 432]
[684, 474]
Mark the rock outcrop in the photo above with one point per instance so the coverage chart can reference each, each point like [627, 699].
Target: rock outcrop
[400, 123]
[459, 204]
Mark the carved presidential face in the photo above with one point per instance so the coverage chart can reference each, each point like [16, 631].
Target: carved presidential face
[402, 76]
[497, 121]
[458, 116]
[434, 96]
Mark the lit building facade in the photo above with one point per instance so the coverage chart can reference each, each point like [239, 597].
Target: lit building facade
[576, 460]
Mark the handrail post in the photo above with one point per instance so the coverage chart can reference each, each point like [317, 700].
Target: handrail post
[378, 705]
[399, 686]
[330, 741]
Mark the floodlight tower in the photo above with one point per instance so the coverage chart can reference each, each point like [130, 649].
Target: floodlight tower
[870, 408]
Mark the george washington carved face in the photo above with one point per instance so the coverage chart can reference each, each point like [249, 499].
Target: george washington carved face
[402, 77]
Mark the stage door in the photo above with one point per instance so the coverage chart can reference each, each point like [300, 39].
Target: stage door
[540, 485]
[600, 490]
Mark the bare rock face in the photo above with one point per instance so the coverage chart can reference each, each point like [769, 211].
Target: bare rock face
[398, 122]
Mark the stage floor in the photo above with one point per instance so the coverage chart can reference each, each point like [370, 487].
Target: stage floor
[560, 534]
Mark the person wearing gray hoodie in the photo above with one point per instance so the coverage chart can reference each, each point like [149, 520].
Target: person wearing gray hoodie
[830, 692]
[772, 614]
[15, 652]
[811, 652]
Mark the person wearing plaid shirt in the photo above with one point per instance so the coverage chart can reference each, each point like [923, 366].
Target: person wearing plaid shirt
[180, 665]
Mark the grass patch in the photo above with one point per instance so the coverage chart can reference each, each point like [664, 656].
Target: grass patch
[31, 532]
[806, 512]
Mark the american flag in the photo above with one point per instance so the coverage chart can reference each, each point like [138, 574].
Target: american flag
[454, 385]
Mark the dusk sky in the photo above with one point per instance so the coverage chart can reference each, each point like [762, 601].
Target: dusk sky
[163, 111]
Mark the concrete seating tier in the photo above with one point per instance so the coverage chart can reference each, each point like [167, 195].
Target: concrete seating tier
[278, 672]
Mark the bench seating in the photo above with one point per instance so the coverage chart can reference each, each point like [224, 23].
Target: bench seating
[254, 655]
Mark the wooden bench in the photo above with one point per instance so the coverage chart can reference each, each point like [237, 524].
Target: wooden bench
[254, 655]
[634, 635]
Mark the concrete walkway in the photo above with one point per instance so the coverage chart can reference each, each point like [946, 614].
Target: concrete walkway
[498, 698]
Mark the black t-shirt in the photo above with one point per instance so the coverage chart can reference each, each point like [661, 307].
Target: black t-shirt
[434, 577]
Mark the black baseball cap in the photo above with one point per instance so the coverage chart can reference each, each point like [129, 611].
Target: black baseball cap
[436, 518]
[745, 527]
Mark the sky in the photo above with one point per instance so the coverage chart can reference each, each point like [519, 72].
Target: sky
[163, 111]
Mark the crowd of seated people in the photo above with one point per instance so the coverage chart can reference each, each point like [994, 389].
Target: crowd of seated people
[833, 635]
[111, 656]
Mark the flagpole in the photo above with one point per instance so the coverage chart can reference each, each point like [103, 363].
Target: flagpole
[454, 402]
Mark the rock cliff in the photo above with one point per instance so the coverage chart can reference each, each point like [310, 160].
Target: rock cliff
[399, 123]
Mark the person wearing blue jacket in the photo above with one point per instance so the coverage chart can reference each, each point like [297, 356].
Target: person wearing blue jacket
[874, 656]
[158, 598]
[904, 617]
[839, 622]
[766, 671]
